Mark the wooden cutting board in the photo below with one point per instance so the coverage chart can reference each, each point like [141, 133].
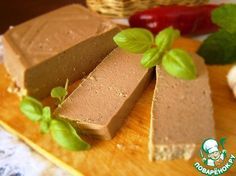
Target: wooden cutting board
[127, 153]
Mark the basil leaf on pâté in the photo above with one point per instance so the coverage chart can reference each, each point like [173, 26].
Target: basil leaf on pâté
[219, 48]
[225, 17]
[179, 63]
[138, 40]
[31, 108]
[59, 93]
[65, 135]
[134, 40]
[151, 58]
[165, 38]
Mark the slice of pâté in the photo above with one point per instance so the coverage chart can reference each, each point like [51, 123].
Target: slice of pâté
[181, 114]
[66, 43]
[104, 99]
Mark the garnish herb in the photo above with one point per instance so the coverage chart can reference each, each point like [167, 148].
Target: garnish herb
[151, 57]
[59, 92]
[32, 108]
[176, 62]
[62, 132]
[165, 38]
[44, 126]
[45, 122]
[220, 47]
[65, 135]
[225, 17]
[135, 40]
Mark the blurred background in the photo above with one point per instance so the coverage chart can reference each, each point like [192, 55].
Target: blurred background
[16, 11]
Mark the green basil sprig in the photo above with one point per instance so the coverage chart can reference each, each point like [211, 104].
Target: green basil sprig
[45, 122]
[135, 40]
[177, 63]
[62, 132]
[165, 38]
[225, 17]
[32, 108]
[151, 57]
[175, 60]
[60, 92]
[66, 136]
[220, 47]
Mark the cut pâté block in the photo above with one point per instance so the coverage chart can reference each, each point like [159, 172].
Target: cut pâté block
[66, 43]
[181, 114]
[104, 99]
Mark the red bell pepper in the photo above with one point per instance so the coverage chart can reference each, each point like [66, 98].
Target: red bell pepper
[190, 20]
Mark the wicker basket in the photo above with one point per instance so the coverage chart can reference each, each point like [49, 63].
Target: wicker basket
[124, 8]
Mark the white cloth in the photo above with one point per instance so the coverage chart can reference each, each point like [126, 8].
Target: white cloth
[18, 159]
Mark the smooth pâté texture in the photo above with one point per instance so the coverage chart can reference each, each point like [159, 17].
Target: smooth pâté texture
[104, 99]
[181, 114]
[66, 43]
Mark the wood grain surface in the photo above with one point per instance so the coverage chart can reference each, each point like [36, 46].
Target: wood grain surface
[127, 153]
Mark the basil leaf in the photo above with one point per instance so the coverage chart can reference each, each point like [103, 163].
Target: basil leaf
[165, 38]
[44, 126]
[59, 93]
[31, 107]
[179, 63]
[225, 17]
[219, 48]
[135, 40]
[44, 123]
[65, 135]
[46, 113]
[151, 58]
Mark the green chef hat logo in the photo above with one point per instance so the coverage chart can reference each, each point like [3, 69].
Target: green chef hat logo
[209, 146]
